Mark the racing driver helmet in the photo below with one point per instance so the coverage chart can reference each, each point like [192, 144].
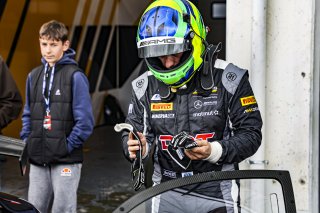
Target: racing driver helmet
[169, 27]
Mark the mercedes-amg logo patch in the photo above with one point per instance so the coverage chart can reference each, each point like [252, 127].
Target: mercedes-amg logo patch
[197, 104]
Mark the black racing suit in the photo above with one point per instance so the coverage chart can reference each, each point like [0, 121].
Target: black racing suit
[228, 114]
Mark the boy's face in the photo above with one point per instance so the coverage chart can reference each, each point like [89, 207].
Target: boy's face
[52, 50]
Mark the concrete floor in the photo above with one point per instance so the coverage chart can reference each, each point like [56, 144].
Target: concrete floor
[105, 182]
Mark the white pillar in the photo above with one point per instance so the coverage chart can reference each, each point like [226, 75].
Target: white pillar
[258, 82]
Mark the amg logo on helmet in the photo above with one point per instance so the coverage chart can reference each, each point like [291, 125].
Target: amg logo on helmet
[158, 41]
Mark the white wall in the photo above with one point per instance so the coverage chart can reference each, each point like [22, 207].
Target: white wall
[289, 78]
[314, 186]
[238, 30]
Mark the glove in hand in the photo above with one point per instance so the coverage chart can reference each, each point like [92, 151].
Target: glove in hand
[183, 140]
[176, 148]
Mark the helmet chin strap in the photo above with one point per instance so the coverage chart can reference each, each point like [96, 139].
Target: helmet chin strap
[211, 51]
[206, 76]
[165, 92]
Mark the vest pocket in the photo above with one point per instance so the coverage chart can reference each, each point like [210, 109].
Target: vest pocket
[56, 146]
[34, 148]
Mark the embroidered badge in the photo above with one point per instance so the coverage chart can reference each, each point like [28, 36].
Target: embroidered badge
[156, 97]
[66, 172]
[186, 174]
[58, 92]
[161, 106]
[248, 100]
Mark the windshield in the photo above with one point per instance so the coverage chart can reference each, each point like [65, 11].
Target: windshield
[226, 195]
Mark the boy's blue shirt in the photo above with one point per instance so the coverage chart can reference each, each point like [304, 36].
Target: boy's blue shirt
[81, 106]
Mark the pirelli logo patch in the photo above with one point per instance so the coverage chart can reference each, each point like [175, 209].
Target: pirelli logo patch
[161, 106]
[245, 101]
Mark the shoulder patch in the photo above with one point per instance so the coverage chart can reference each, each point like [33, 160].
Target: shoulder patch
[140, 84]
[231, 77]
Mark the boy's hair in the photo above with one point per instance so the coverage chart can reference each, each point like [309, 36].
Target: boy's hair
[54, 30]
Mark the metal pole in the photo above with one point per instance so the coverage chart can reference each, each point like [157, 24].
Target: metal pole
[258, 81]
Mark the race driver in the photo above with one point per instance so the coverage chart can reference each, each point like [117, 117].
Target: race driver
[186, 95]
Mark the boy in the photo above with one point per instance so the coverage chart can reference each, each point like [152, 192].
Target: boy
[57, 119]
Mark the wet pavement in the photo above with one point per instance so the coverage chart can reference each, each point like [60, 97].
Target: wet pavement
[105, 181]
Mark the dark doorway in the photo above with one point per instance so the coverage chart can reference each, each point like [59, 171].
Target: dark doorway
[214, 16]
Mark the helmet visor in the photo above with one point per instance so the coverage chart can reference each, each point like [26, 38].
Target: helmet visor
[160, 46]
